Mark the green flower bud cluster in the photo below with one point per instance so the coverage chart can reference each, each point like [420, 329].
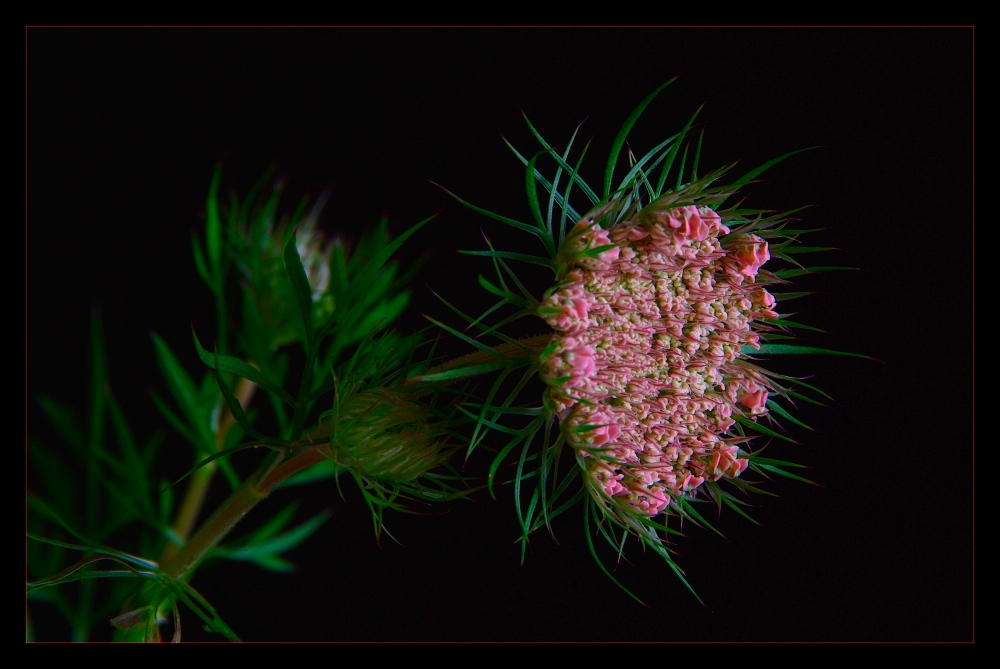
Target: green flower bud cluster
[387, 435]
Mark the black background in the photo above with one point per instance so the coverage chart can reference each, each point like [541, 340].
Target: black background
[124, 128]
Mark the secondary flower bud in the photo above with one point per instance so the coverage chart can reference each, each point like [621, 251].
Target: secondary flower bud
[270, 294]
[387, 435]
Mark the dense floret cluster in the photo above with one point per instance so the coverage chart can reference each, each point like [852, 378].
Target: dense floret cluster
[644, 370]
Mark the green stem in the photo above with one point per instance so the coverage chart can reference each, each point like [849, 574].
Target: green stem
[214, 530]
[197, 490]
[255, 489]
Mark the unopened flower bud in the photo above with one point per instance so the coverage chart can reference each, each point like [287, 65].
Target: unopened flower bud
[387, 435]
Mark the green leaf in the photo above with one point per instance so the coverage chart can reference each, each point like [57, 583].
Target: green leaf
[58, 481]
[499, 292]
[262, 545]
[523, 257]
[764, 167]
[532, 189]
[776, 463]
[569, 215]
[235, 408]
[273, 443]
[792, 349]
[385, 250]
[73, 572]
[785, 297]
[616, 146]
[806, 398]
[591, 509]
[788, 249]
[320, 471]
[36, 505]
[733, 504]
[200, 264]
[274, 563]
[782, 472]
[763, 430]
[64, 422]
[231, 365]
[497, 217]
[672, 155]
[643, 166]
[461, 372]
[197, 603]
[563, 164]
[778, 409]
[178, 424]
[381, 316]
[136, 469]
[167, 500]
[189, 397]
[784, 322]
[794, 272]
[687, 510]
[469, 340]
[213, 229]
[300, 287]
[272, 527]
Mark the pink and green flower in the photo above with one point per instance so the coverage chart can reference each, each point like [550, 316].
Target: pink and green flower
[663, 302]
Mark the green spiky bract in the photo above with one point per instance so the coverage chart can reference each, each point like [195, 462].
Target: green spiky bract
[546, 477]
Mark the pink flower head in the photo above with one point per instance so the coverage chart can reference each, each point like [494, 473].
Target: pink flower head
[642, 375]
[750, 252]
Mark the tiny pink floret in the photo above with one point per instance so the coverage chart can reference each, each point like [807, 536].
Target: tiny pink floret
[755, 402]
[583, 240]
[580, 360]
[750, 253]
